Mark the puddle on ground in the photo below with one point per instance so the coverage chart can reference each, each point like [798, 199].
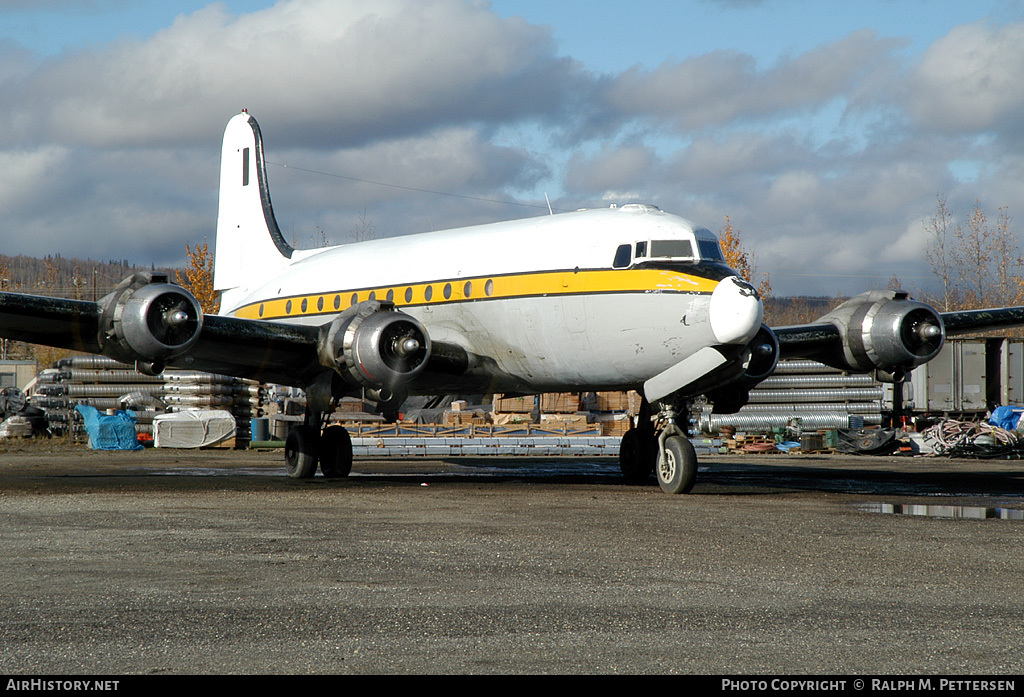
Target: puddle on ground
[467, 468]
[211, 472]
[944, 511]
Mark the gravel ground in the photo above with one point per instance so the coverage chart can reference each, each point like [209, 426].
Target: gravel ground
[212, 562]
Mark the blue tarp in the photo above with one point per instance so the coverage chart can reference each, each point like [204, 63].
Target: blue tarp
[1006, 417]
[109, 431]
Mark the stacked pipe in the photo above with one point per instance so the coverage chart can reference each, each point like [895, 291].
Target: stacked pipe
[819, 396]
[105, 384]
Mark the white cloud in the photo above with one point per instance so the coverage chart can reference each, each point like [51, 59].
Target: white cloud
[612, 168]
[332, 72]
[969, 81]
[825, 159]
[375, 177]
[27, 177]
[723, 87]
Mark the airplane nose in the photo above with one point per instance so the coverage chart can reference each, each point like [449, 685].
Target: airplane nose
[736, 311]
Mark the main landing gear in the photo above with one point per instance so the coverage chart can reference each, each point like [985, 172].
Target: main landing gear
[666, 452]
[307, 446]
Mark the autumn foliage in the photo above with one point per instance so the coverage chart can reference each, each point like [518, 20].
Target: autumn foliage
[740, 260]
[199, 277]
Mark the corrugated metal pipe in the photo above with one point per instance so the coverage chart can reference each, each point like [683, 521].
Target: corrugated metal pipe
[856, 394]
[712, 423]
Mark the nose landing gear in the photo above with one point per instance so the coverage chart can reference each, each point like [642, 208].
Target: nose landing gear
[665, 451]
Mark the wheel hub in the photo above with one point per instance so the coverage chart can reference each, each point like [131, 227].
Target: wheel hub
[667, 466]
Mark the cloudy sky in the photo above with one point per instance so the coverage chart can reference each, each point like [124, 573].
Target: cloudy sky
[824, 130]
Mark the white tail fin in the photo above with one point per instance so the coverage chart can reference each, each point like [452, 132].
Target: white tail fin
[249, 243]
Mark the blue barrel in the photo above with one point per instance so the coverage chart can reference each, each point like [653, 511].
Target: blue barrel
[260, 429]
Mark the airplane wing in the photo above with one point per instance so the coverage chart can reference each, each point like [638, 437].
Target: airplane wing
[887, 333]
[151, 323]
[267, 351]
[972, 321]
[65, 324]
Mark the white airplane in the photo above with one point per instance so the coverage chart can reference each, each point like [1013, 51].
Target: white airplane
[628, 297]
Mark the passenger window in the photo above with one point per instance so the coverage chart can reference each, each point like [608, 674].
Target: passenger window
[623, 255]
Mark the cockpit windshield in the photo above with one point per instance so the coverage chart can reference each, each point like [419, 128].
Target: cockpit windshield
[671, 249]
[707, 243]
[703, 246]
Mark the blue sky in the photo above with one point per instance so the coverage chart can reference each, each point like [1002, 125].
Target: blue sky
[824, 130]
[607, 35]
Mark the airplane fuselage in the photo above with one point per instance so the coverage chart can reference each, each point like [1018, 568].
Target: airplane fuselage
[541, 304]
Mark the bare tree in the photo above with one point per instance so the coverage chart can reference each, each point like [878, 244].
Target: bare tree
[364, 229]
[977, 261]
[1009, 285]
[938, 254]
[973, 255]
[320, 239]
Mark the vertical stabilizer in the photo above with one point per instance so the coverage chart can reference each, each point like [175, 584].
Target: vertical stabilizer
[249, 243]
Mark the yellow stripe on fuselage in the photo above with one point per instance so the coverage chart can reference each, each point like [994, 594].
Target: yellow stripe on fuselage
[537, 284]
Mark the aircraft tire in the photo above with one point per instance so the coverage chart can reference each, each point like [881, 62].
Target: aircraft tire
[636, 456]
[335, 452]
[677, 470]
[300, 452]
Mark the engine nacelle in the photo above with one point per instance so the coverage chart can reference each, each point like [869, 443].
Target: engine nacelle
[147, 321]
[764, 356]
[375, 346]
[885, 332]
[760, 359]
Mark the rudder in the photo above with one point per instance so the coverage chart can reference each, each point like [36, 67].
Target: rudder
[249, 244]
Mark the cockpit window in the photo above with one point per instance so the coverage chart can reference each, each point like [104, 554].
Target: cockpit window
[708, 245]
[623, 256]
[672, 249]
[709, 249]
[683, 248]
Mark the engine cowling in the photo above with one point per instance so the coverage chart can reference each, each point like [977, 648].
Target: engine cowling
[885, 332]
[148, 321]
[764, 356]
[760, 359]
[375, 346]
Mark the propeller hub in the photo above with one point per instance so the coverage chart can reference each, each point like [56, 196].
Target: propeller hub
[176, 318]
[408, 346]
